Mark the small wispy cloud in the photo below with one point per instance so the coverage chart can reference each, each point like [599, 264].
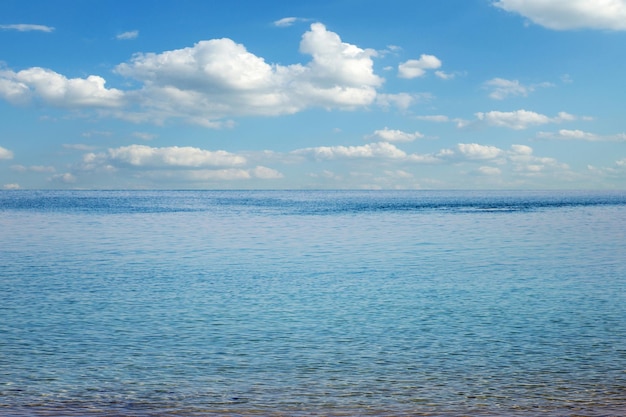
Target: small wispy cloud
[445, 75]
[144, 135]
[566, 134]
[92, 133]
[437, 118]
[288, 21]
[79, 147]
[23, 27]
[502, 88]
[128, 35]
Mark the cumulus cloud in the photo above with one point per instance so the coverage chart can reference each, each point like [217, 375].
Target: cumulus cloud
[133, 34]
[521, 119]
[22, 27]
[376, 151]
[219, 78]
[525, 163]
[5, 153]
[393, 135]
[175, 164]
[174, 156]
[565, 134]
[266, 173]
[57, 90]
[371, 150]
[414, 68]
[570, 14]
[521, 149]
[226, 174]
[338, 63]
[11, 186]
[213, 81]
[519, 158]
[476, 151]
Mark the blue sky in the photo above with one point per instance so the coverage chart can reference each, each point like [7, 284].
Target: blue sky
[395, 94]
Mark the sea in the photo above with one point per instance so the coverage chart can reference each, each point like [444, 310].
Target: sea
[312, 303]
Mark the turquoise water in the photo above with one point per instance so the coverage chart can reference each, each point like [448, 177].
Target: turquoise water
[311, 303]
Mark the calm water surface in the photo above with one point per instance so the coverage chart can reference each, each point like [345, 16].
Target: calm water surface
[311, 303]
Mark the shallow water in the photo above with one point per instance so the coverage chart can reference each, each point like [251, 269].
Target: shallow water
[312, 303]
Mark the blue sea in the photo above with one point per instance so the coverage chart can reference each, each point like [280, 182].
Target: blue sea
[312, 303]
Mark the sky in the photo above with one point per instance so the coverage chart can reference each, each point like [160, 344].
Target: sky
[313, 94]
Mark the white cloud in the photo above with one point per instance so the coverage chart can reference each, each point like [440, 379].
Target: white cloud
[563, 117]
[175, 164]
[392, 135]
[398, 173]
[92, 133]
[519, 157]
[12, 186]
[565, 134]
[489, 171]
[377, 150]
[228, 174]
[186, 157]
[570, 14]
[401, 100]
[22, 27]
[521, 119]
[617, 171]
[215, 80]
[503, 88]
[219, 78]
[444, 75]
[5, 153]
[33, 168]
[66, 178]
[437, 118]
[57, 90]
[133, 34]
[521, 150]
[144, 135]
[414, 68]
[13, 91]
[266, 173]
[476, 151]
[371, 150]
[288, 21]
[526, 163]
[338, 63]
[79, 147]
